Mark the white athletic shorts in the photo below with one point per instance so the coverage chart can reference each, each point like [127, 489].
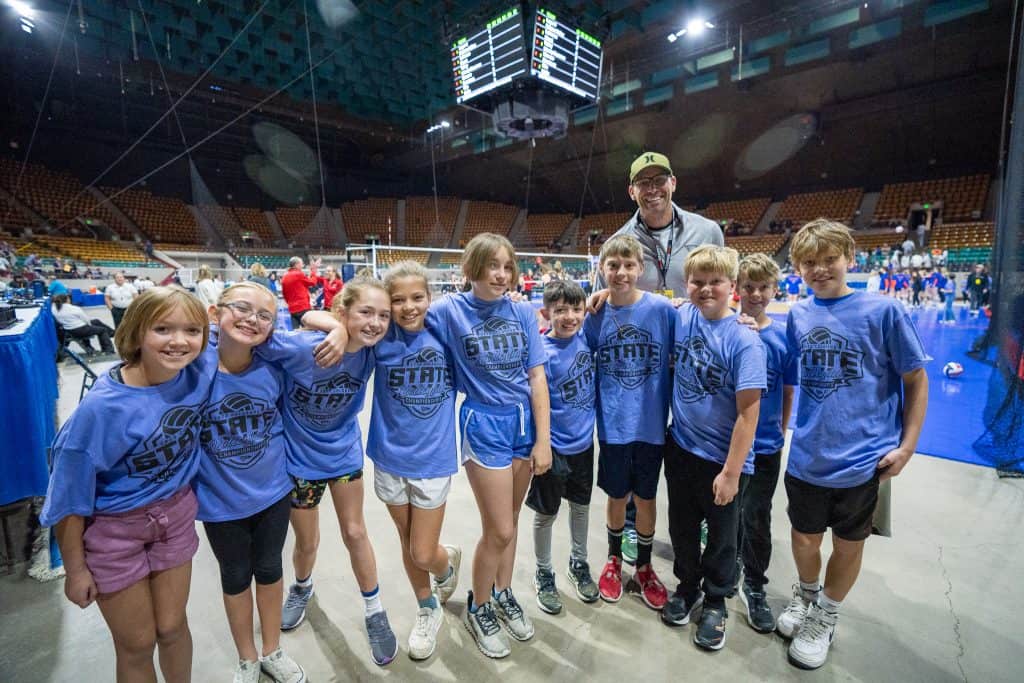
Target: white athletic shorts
[426, 494]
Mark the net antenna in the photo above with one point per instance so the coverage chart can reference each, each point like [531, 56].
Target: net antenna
[39, 116]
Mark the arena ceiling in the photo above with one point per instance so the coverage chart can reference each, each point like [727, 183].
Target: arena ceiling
[382, 76]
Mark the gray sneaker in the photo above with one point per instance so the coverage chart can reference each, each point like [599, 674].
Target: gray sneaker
[579, 575]
[294, 610]
[383, 644]
[246, 672]
[483, 626]
[512, 615]
[446, 587]
[282, 668]
[547, 594]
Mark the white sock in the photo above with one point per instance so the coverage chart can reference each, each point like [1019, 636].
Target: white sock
[371, 602]
[810, 590]
[305, 583]
[828, 604]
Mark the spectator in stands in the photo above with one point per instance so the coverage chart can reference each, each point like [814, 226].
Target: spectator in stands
[273, 281]
[332, 284]
[118, 296]
[258, 274]
[207, 289]
[295, 286]
[147, 249]
[56, 287]
[77, 325]
[58, 264]
[908, 246]
[922, 234]
[666, 232]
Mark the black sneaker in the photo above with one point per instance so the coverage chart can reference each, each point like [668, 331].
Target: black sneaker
[676, 611]
[710, 633]
[759, 614]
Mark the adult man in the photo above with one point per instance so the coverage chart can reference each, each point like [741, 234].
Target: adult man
[667, 233]
[295, 288]
[118, 296]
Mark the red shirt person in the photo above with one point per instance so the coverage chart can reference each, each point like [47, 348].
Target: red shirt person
[332, 284]
[295, 286]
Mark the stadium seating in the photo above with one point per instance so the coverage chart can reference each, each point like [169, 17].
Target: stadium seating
[253, 220]
[605, 223]
[223, 221]
[163, 219]
[838, 205]
[367, 217]
[389, 257]
[299, 225]
[884, 239]
[746, 212]
[95, 252]
[425, 228]
[271, 261]
[755, 244]
[60, 197]
[544, 228]
[488, 217]
[963, 198]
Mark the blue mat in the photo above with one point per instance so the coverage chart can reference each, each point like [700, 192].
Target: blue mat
[955, 406]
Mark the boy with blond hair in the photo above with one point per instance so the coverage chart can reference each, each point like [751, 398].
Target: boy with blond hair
[720, 372]
[759, 275]
[631, 336]
[863, 397]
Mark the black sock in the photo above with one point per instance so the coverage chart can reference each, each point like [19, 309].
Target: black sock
[615, 542]
[643, 549]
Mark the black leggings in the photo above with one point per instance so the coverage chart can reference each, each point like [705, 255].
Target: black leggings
[85, 333]
[251, 547]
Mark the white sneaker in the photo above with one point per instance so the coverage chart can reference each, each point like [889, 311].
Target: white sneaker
[282, 668]
[247, 672]
[809, 648]
[423, 638]
[444, 589]
[789, 621]
[511, 613]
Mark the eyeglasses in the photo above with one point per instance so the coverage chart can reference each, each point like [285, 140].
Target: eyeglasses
[657, 181]
[244, 311]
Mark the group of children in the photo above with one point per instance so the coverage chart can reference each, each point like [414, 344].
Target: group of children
[248, 432]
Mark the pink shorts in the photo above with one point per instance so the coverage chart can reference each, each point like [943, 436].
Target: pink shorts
[123, 548]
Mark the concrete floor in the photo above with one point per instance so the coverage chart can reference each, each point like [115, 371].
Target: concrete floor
[940, 601]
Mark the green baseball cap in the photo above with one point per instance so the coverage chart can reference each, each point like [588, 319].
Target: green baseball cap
[646, 160]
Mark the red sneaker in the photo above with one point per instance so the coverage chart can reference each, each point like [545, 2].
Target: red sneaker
[652, 590]
[610, 583]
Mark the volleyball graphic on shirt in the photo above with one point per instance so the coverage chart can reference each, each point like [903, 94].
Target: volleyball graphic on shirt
[700, 371]
[577, 389]
[236, 430]
[828, 362]
[321, 404]
[629, 355]
[166, 449]
[422, 382]
[498, 347]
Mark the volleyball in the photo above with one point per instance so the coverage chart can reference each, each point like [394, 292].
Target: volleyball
[952, 369]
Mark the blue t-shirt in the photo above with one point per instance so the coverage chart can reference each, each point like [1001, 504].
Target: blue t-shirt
[852, 353]
[242, 453]
[901, 281]
[570, 373]
[320, 405]
[793, 282]
[126, 447]
[493, 345]
[412, 427]
[782, 371]
[714, 359]
[632, 345]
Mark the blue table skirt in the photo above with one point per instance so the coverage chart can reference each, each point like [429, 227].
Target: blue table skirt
[28, 405]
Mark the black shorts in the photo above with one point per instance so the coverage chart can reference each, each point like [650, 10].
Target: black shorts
[633, 467]
[813, 509]
[297, 319]
[570, 477]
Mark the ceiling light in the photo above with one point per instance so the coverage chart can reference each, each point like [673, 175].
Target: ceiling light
[22, 8]
[695, 27]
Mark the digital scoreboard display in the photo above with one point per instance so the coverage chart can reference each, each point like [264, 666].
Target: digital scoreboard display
[565, 56]
[490, 58]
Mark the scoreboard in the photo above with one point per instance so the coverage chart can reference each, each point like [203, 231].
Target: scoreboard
[565, 57]
[490, 58]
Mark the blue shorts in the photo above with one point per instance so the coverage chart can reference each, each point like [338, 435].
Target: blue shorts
[493, 435]
[632, 467]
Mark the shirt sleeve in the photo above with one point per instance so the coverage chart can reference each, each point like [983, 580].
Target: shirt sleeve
[292, 352]
[591, 327]
[72, 487]
[904, 344]
[528, 319]
[752, 366]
